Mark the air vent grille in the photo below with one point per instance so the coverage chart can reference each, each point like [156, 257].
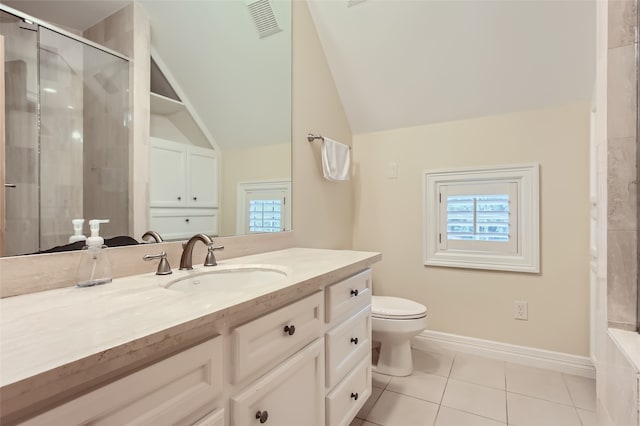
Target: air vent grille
[263, 17]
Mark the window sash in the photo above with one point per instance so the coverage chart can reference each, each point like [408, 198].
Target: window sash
[462, 203]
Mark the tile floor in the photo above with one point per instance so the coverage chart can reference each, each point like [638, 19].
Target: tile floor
[456, 389]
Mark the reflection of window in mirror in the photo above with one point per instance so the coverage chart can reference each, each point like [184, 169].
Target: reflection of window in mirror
[263, 207]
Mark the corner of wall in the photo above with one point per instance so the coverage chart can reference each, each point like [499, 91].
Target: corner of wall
[322, 210]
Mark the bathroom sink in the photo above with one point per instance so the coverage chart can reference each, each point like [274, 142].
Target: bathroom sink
[230, 278]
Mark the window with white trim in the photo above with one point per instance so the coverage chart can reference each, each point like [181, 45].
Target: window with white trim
[263, 207]
[483, 218]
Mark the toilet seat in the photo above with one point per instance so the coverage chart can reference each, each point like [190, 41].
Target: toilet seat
[396, 308]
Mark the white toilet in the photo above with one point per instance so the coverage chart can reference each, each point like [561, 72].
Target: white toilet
[394, 321]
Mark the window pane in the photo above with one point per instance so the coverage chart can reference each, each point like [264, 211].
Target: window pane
[265, 216]
[478, 217]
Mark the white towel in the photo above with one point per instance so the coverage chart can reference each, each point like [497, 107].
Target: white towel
[335, 160]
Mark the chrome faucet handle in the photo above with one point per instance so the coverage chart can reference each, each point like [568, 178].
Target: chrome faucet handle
[210, 260]
[163, 266]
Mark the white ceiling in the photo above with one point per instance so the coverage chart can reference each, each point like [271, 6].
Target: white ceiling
[404, 63]
[75, 15]
[396, 63]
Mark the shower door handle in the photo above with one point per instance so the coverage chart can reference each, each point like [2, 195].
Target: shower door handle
[10, 185]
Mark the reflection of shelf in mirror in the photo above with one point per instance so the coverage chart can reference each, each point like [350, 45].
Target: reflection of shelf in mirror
[165, 106]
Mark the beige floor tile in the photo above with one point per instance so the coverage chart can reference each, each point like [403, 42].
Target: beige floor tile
[479, 370]
[536, 382]
[380, 380]
[588, 418]
[432, 362]
[476, 399]
[527, 411]
[582, 391]
[366, 408]
[419, 385]
[393, 409]
[450, 417]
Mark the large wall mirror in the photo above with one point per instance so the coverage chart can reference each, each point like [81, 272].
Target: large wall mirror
[220, 145]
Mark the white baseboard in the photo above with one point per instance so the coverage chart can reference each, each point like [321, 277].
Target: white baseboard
[541, 358]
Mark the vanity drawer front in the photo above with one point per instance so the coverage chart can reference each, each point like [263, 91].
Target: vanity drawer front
[346, 345]
[265, 341]
[215, 418]
[174, 224]
[166, 392]
[348, 296]
[289, 395]
[344, 402]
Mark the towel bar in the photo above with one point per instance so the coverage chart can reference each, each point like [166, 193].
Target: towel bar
[311, 137]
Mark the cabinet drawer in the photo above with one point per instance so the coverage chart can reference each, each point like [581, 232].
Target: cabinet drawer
[164, 393]
[263, 342]
[344, 402]
[215, 418]
[289, 395]
[346, 345]
[348, 296]
[174, 224]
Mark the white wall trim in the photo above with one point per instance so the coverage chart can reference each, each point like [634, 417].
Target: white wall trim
[525, 355]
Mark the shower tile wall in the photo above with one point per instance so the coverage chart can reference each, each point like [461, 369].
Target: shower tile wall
[61, 103]
[117, 32]
[622, 223]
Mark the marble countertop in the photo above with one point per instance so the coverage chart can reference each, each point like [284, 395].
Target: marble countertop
[70, 335]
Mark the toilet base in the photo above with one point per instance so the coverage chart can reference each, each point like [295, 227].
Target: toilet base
[395, 359]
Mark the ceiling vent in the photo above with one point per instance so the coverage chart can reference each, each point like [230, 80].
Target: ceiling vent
[263, 17]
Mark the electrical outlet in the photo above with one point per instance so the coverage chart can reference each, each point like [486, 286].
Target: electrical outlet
[520, 310]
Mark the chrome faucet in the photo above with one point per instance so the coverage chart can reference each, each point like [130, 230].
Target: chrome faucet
[186, 262]
[154, 235]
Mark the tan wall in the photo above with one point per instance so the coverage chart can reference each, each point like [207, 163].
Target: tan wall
[260, 163]
[388, 218]
[322, 210]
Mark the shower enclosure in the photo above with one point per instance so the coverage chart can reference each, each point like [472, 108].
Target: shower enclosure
[66, 136]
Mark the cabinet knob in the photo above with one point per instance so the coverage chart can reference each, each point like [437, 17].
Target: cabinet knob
[195, 198]
[354, 340]
[290, 329]
[263, 416]
[354, 293]
[179, 198]
[354, 395]
[187, 220]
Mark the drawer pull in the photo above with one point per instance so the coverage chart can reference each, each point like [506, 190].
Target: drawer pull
[179, 198]
[354, 395]
[354, 340]
[195, 198]
[187, 220]
[354, 293]
[290, 329]
[263, 416]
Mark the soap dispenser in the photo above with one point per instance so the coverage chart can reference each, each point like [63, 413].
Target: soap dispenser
[94, 266]
[77, 231]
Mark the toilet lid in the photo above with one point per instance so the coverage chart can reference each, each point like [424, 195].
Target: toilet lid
[396, 308]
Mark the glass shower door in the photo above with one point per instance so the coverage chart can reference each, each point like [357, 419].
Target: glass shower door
[21, 135]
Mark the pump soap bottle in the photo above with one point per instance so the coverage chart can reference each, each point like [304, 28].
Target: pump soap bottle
[94, 266]
[77, 231]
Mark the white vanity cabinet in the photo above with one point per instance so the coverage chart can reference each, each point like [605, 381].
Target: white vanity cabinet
[179, 390]
[289, 395]
[348, 348]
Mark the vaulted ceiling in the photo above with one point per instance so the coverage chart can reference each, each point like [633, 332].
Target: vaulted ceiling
[400, 63]
[403, 63]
